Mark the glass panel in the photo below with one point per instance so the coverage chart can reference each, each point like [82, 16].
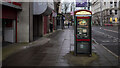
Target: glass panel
[82, 28]
[83, 47]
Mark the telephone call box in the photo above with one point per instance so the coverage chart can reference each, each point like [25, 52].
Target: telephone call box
[82, 32]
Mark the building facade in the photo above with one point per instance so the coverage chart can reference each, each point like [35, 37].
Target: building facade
[0, 30]
[60, 21]
[26, 21]
[119, 12]
[42, 15]
[9, 22]
[106, 12]
[17, 22]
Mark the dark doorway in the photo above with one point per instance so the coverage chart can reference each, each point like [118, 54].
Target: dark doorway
[37, 27]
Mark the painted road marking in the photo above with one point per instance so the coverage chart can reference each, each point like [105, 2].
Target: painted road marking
[115, 40]
[94, 41]
[111, 30]
[111, 52]
[105, 41]
[106, 48]
[109, 41]
[109, 36]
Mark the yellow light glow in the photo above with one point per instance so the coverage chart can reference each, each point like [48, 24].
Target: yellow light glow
[115, 19]
[110, 19]
[83, 13]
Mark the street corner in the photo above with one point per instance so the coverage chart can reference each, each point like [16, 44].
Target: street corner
[80, 59]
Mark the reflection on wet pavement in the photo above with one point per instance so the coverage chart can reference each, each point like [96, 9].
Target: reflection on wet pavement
[50, 54]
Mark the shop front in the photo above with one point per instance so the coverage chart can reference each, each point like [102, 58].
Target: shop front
[42, 13]
[9, 24]
[9, 30]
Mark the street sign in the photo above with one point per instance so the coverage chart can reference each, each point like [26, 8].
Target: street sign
[83, 32]
[81, 3]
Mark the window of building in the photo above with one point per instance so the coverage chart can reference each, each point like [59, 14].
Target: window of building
[110, 11]
[115, 11]
[115, 4]
[111, 4]
[104, 3]
[116, 19]
[110, 19]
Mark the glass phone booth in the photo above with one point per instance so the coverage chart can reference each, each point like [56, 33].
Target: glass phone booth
[83, 32]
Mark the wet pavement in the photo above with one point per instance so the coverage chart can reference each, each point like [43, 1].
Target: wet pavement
[50, 54]
[56, 52]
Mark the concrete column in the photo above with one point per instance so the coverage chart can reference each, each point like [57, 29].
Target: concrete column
[31, 22]
[23, 25]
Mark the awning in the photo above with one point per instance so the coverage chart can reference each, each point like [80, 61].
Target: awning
[41, 8]
[11, 14]
[48, 11]
[11, 5]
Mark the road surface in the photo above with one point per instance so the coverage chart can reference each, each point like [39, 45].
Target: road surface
[106, 36]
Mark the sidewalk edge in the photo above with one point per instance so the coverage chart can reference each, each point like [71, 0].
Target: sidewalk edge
[106, 48]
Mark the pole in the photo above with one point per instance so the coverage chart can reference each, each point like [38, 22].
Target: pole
[74, 29]
[100, 13]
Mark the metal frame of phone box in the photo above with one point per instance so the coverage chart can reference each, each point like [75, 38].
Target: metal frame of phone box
[76, 40]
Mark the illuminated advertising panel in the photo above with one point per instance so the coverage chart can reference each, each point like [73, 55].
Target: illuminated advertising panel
[83, 32]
